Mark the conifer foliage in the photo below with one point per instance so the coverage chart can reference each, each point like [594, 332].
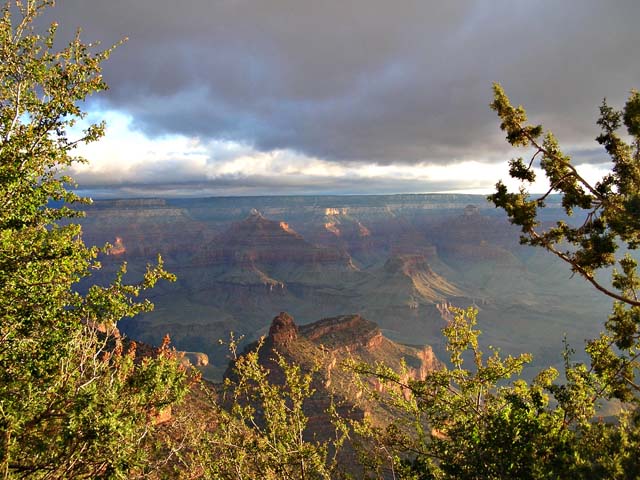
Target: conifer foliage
[479, 418]
[611, 210]
[74, 401]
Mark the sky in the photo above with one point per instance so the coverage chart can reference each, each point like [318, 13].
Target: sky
[238, 97]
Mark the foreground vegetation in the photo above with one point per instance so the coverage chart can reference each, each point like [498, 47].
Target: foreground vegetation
[482, 421]
[77, 401]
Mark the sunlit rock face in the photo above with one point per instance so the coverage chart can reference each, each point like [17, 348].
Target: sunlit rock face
[338, 228]
[346, 336]
[196, 359]
[331, 340]
[257, 240]
[322, 347]
[117, 248]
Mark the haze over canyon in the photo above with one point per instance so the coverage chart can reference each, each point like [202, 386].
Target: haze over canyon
[400, 261]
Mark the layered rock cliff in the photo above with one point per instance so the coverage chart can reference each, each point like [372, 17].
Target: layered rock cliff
[258, 251]
[324, 346]
[257, 240]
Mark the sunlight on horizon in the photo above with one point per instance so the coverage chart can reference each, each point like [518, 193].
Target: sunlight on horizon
[127, 156]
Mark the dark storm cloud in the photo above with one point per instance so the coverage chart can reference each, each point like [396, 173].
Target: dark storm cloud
[365, 80]
[593, 156]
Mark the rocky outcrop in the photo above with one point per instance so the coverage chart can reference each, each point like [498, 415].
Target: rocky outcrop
[258, 241]
[429, 362]
[196, 359]
[341, 225]
[408, 281]
[283, 330]
[117, 248]
[346, 332]
[428, 284]
[339, 229]
[328, 342]
[322, 348]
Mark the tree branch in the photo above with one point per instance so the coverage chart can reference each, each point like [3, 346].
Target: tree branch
[586, 275]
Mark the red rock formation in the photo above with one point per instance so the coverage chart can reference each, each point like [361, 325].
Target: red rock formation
[341, 230]
[196, 359]
[322, 348]
[355, 335]
[257, 240]
[344, 332]
[117, 248]
[283, 330]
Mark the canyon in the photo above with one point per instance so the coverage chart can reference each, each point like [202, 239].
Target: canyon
[400, 261]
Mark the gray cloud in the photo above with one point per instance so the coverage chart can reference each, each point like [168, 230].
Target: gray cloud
[264, 185]
[593, 156]
[362, 80]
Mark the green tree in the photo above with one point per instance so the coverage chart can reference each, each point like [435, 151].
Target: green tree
[468, 422]
[74, 401]
[258, 427]
[476, 421]
[611, 209]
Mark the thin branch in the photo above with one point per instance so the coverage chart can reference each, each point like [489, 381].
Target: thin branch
[533, 157]
[14, 121]
[535, 143]
[554, 186]
[586, 275]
